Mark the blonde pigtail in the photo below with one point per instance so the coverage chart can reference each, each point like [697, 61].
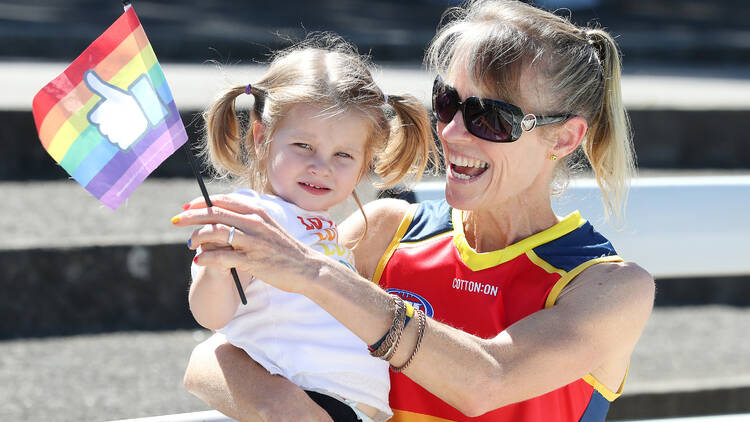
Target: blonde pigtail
[410, 148]
[608, 145]
[222, 143]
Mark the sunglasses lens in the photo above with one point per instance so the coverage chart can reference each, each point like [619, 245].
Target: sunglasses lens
[486, 122]
[445, 106]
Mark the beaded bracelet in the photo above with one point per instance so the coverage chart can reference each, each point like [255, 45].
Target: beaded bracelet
[422, 324]
[399, 318]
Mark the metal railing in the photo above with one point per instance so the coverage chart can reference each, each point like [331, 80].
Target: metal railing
[686, 226]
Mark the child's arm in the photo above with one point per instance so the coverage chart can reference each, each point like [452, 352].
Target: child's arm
[213, 296]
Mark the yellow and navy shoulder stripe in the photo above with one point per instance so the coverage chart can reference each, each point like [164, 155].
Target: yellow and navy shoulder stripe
[570, 250]
[568, 255]
[430, 219]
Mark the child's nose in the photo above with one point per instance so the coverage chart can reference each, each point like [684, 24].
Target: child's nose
[319, 167]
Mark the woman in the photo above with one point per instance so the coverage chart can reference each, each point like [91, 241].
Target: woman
[547, 314]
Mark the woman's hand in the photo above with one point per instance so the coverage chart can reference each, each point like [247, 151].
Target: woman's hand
[259, 246]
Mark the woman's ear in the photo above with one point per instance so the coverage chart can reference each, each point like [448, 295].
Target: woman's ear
[570, 136]
[259, 137]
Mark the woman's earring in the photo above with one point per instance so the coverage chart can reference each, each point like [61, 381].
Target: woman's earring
[553, 157]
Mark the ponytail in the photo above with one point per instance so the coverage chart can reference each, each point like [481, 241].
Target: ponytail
[608, 145]
[410, 147]
[227, 145]
[496, 41]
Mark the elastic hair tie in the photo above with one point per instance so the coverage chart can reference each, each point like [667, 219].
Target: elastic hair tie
[249, 89]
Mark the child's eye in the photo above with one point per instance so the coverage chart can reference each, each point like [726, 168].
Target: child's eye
[303, 145]
[344, 155]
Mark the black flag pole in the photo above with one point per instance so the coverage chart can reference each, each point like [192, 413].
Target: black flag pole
[126, 4]
[202, 185]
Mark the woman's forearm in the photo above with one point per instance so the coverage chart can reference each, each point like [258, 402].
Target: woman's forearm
[539, 353]
[367, 310]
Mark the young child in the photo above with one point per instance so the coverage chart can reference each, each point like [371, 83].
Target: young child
[318, 124]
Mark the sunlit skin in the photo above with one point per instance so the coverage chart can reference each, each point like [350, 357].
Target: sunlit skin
[314, 161]
[511, 194]
[592, 329]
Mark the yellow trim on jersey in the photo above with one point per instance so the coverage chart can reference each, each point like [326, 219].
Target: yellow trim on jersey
[406, 416]
[405, 222]
[546, 266]
[429, 239]
[478, 261]
[570, 275]
[603, 390]
[552, 298]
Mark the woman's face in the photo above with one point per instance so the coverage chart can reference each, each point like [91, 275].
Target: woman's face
[483, 175]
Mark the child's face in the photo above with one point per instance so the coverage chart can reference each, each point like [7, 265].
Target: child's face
[315, 162]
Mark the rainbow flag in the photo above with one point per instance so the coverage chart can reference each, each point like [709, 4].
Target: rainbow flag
[109, 119]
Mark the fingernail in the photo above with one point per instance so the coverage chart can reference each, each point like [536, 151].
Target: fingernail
[189, 243]
[186, 206]
[175, 219]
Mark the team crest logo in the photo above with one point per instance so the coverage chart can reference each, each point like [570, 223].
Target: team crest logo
[417, 301]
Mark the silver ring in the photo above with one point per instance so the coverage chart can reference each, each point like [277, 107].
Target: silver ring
[231, 235]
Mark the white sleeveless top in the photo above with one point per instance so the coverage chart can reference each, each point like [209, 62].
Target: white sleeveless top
[288, 334]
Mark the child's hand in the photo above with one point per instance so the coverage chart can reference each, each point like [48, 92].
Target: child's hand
[259, 245]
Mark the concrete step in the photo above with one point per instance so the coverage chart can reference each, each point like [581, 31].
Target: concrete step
[690, 361]
[681, 118]
[100, 270]
[71, 267]
[390, 30]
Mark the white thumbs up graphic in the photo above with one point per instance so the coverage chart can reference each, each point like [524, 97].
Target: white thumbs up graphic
[121, 116]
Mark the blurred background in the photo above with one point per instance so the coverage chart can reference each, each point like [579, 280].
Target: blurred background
[94, 323]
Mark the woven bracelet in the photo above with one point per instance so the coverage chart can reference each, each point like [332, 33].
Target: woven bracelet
[409, 316]
[376, 346]
[399, 317]
[396, 330]
[422, 324]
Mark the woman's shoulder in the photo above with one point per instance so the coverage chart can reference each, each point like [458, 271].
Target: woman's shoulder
[614, 284]
[383, 217]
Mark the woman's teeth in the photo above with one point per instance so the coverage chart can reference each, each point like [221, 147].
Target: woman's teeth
[468, 162]
[461, 176]
[464, 168]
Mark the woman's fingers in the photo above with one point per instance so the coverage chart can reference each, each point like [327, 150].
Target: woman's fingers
[224, 258]
[212, 236]
[238, 203]
[259, 245]
[215, 236]
[213, 215]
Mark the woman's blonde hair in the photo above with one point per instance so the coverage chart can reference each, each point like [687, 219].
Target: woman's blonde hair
[326, 71]
[494, 41]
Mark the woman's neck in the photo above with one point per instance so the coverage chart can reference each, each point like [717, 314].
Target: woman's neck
[506, 224]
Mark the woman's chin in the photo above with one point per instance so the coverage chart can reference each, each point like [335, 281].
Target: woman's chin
[464, 194]
[459, 198]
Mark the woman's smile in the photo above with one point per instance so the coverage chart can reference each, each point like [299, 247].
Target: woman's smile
[466, 168]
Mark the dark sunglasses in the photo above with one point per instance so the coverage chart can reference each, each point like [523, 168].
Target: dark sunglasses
[491, 120]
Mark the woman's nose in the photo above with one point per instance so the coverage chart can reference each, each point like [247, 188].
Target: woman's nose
[455, 130]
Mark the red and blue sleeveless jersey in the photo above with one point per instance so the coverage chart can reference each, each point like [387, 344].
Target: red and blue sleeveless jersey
[430, 264]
